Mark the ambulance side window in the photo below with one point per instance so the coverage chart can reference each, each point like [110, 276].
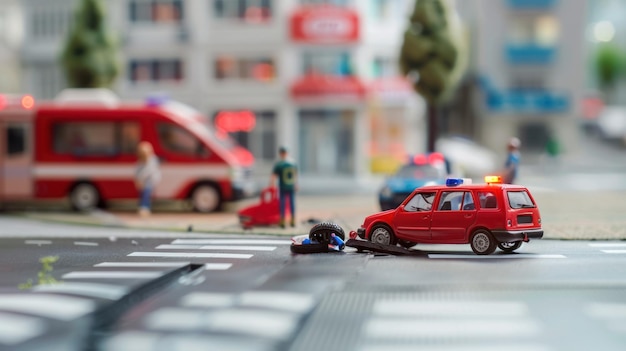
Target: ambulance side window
[16, 140]
[85, 139]
[180, 141]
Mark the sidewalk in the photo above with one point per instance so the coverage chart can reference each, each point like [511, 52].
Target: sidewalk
[565, 215]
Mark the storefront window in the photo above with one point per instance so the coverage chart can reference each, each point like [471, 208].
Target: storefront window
[327, 142]
[331, 63]
[384, 67]
[254, 130]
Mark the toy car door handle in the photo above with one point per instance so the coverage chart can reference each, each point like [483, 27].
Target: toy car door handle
[469, 215]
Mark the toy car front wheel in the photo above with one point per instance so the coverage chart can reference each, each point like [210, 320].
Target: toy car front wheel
[382, 234]
[482, 242]
[509, 246]
[322, 232]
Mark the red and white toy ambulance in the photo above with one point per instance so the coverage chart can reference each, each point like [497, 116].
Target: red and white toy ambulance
[82, 147]
[484, 215]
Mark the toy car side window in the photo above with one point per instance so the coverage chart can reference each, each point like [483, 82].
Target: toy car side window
[420, 202]
[450, 201]
[468, 201]
[488, 199]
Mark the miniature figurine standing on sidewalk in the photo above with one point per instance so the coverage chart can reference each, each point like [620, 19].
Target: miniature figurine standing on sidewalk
[147, 176]
[286, 171]
[512, 161]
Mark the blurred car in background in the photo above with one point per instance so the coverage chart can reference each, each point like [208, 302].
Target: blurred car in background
[611, 124]
[420, 170]
[468, 159]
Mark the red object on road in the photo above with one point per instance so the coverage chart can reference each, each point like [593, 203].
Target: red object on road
[486, 216]
[265, 213]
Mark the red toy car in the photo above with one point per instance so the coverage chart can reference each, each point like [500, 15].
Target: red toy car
[265, 213]
[484, 215]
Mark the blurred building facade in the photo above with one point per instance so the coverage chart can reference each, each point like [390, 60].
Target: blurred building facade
[11, 34]
[530, 62]
[319, 77]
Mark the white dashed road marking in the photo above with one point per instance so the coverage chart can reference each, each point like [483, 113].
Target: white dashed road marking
[190, 254]
[216, 247]
[231, 242]
[15, 329]
[64, 308]
[97, 290]
[112, 275]
[38, 242]
[493, 257]
[85, 243]
[141, 264]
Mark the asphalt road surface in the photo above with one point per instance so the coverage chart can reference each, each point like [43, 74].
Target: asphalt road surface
[134, 290]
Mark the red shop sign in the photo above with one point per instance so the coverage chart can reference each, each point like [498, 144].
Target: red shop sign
[315, 85]
[325, 24]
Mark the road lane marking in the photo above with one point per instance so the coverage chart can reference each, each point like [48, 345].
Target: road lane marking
[208, 300]
[16, 329]
[190, 254]
[232, 242]
[614, 251]
[103, 291]
[267, 324]
[85, 243]
[404, 308]
[112, 275]
[217, 266]
[493, 257]
[278, 300]
[607, 310]
[38, 242]
[142, 264]
[133, 340]
[476, 328]
[58, 307]
[216, 247]
[517, 346]
[608, 245]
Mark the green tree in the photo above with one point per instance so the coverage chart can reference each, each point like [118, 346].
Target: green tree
[609, 66]
[433, 54]
[89, 58]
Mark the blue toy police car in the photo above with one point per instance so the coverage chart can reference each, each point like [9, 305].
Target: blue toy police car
[421, 170]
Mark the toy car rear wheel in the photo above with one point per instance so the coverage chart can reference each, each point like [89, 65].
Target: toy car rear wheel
[509, 246]
[483, 242]
[321, 232]
[382, 234]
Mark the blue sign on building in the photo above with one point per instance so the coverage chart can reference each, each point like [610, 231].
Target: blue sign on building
[524, 100]
[531, 4]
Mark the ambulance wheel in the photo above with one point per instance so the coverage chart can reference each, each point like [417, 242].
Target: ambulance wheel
[205, 198]
[482, 242]
[84, 197]
[321, 232]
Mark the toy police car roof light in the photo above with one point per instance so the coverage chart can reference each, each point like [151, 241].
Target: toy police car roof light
[493, 179]
[454, 181]
[458, 181]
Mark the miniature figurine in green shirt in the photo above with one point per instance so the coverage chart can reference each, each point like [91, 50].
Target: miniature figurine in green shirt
[286, 172]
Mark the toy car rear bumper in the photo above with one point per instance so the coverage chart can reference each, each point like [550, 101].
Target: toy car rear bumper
[517, 235]
[361, 233]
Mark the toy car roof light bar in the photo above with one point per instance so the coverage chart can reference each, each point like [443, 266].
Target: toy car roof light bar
[493, 179]
[458, 181]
